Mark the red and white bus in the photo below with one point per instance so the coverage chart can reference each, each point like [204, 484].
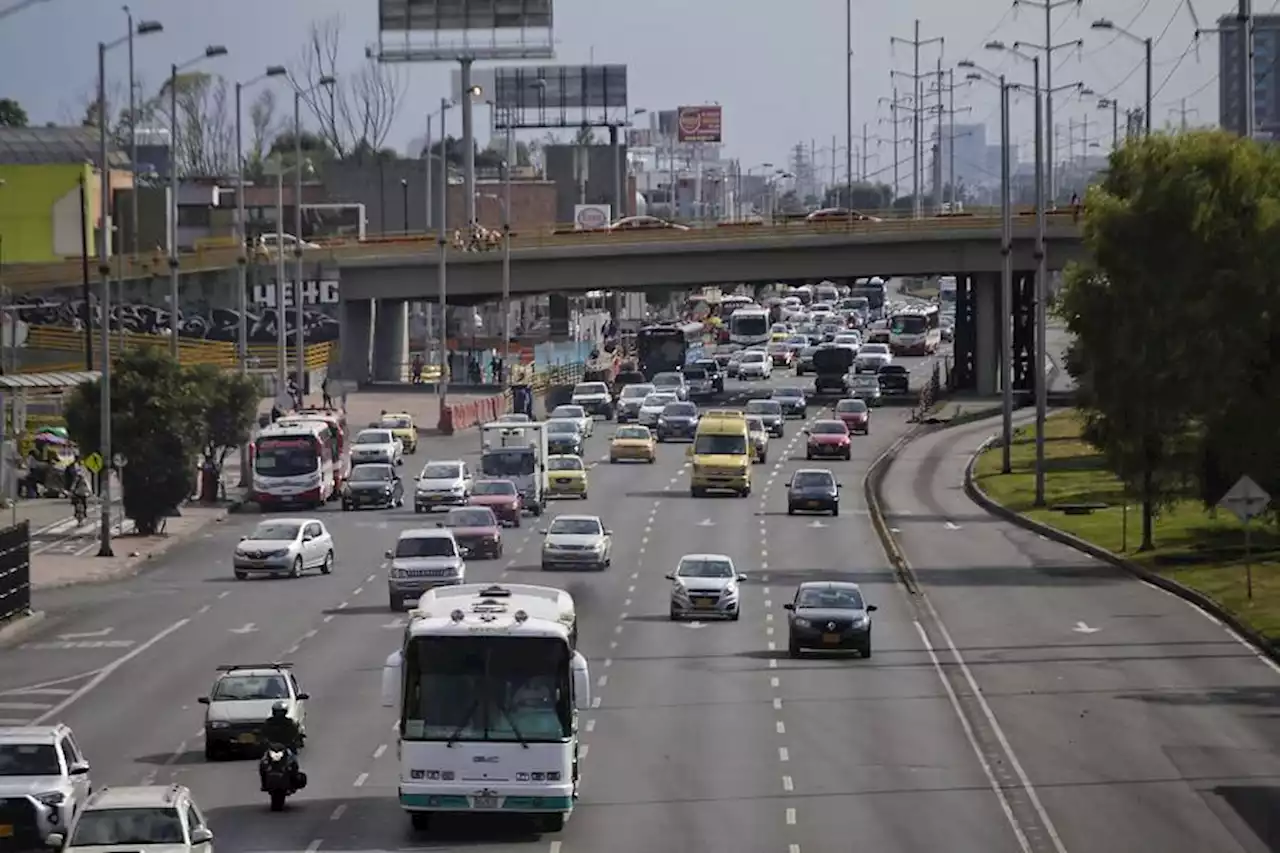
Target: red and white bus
[294, 465]
[336, 421]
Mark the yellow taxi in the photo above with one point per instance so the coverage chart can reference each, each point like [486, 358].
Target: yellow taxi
[778, 337]
[566, 477]
[721, 454]
[633, 443]
[402, 427]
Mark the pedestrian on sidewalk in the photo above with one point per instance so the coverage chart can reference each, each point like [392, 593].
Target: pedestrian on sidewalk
[327, 398]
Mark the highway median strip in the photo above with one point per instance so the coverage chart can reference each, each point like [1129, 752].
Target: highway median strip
[1202, 551]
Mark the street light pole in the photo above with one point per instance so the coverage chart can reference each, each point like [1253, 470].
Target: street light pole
[442, 385]
[133, 144]
[506, 253]
[299, 332]
[104, 308]
[1042, 293]
[1147, 46]
[848, 103]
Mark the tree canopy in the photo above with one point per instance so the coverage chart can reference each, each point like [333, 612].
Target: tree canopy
[12, 114]
[1176, 316]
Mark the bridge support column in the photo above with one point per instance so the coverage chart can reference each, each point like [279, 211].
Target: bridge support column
[1024, 330]
[391, 344]
[355, 338]
[962, 371]
[558, 316]
[985, 295]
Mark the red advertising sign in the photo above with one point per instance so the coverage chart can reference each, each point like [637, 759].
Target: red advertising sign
[699, 124]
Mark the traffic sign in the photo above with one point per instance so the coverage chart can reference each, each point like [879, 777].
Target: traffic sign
[1246, 499]
[93, 462]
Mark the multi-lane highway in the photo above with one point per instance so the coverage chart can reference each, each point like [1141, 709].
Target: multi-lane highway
[704, 733]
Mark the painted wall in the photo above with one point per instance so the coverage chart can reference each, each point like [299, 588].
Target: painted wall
[40, 213]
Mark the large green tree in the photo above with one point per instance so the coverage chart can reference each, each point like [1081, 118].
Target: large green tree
[12, 114]
[231, 409]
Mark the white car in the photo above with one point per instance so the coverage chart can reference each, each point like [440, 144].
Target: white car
[630, 400]
[446, 483]
[594, 398]
[43, 763]
[239, 703]
[577, 540]
[156, 818]
[872, 357]
[848, 339]
[651, 408]
[755, 365]
[422, 560]
[284, 546]
[377, 445]
[574, 413]
[705, 585]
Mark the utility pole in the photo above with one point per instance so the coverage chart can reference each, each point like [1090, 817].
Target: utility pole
[1048, 48]
[848, 101]
[1182, 111]
[917, 104]
[950, 111]
[894, 106]
[863, 172]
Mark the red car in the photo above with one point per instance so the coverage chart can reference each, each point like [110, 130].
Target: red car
[855, 415]
[502, 497]
[476, 530]
[829, 439]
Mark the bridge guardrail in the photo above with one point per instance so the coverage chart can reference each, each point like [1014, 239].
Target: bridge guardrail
[219, 353]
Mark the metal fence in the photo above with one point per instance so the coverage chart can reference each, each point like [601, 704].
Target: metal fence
[15, 570]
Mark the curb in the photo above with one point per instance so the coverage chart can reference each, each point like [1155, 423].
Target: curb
[15, 628]
[1198, 599]
[871, 490]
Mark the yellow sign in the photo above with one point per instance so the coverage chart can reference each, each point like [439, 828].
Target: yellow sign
[93, 462]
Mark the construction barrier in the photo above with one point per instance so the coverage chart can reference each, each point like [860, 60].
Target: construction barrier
[458, 416]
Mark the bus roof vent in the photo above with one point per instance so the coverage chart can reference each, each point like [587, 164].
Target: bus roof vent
[494, 591]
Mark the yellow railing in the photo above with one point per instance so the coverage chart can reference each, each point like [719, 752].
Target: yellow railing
[219, 353]
[26, 277]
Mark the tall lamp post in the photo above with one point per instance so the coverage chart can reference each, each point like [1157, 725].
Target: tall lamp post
[1113, 105]
[210, 52]
[1110, 26]
[299, 333]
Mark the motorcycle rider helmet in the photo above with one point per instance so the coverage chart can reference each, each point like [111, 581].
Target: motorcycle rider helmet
[280, 709]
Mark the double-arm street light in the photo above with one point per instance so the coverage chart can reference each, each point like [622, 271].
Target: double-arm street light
[211, 52]
[1110, 26]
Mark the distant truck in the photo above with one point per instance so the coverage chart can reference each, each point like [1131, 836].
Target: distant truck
[517, 452]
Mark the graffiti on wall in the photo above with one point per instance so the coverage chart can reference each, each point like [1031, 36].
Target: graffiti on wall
[199, 319]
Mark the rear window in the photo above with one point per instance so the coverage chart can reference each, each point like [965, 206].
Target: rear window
[695, 373]
[680, 410]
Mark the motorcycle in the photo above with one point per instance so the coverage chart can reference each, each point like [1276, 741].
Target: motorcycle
[280, 776]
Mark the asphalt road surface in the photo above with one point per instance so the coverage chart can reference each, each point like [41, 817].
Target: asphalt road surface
[1114, 716]
[705, 733]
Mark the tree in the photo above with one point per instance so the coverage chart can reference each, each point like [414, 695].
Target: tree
[158, 424]
[12, 114]
[356, 114]
[231, 407]
[869, 197]
[206, 127]
[262, 127]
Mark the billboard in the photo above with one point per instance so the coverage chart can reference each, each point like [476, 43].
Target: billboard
[526, 96]
[449, 30]
[592, 217]
[699, 124]
[402, 16]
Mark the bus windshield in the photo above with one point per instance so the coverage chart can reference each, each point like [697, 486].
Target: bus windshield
[909, 324]
[750, 324]
[286, 457]
[487, 689]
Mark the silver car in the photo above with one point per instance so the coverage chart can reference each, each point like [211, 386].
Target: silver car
[284, 546]
[865, 387]
[444, 483]
[705, 585]
[43, 766]
[759, 439]
[576, 541]
[239, 703]
[630, 400]
[423, 559]
[377, 445]
[673, 383]
[586, 423]
[651, 408]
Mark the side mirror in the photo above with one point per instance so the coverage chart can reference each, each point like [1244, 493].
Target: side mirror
[542, 532]
[670, 576]
[608, 533]
[55, 839]
[244, 538]
[839, 485]
[741, 578]
[581, 682]
[391, 681]
[302, 697]
[789, 606]
[79, 768]
[203, 700]
[388, 554]
[805, 431]
[201, 835]
[871, 608]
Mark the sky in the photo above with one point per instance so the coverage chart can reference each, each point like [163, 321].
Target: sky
[777, 68]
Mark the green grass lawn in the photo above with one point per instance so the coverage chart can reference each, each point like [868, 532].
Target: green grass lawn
[1201, 550]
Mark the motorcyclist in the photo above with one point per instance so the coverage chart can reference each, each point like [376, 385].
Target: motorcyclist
[281, 730]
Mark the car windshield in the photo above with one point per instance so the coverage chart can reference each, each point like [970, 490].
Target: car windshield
[586, 389]
[576, 526]
[764, 407]
[441, 472]
[562, 427]
[632, 433]
[636, 392]
[510, 462]
[788, 394]
[829, 428]
[371, 473]
[494, 487]
[679, 410]
[115, 827]
[753, 356]
[241, 688]
[667, 380]
[563, 463]
[28, 759]
[705, 567]
[875, 349]
[695, 373]
[276, 530]
[470, 518]
[731, 444]
[375, 436]
[854, 407]
[831, 598]
[813, 480]
[425, 546]
[657, 401]
[395, 422]
[568, 412]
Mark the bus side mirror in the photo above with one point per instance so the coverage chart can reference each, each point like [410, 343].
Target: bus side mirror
[581, 682]
[391, 681]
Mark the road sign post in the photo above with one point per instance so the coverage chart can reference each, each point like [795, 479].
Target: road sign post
[1246, 500]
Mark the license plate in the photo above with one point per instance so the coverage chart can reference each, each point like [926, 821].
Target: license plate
[814, 504]
[562, 482]
[6, 830]
[704, 602]
[830, 638]
[486, 802]
[247, 738]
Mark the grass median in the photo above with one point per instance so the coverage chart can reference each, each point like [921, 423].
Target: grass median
[1199, 549]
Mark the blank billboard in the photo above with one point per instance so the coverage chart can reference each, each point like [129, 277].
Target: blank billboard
[463, 15]
[555, 87]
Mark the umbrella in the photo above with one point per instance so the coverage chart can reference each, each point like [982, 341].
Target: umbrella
[61, 432]
[52, 438]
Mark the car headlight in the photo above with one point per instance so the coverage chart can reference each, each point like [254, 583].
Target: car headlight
[389, 488]
[283, 552]
[218, 724]
[803, 623]
[457, 489]
[52, 798]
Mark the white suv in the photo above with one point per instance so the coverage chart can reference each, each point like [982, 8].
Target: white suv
[377, 445]
[146, 817]
[43, 765]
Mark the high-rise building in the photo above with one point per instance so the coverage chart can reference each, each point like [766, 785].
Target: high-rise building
[970, 143]
[1266, 75]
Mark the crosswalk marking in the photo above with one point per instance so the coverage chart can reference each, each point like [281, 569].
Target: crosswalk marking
[6, 721]
[39, 691]
[24, 706]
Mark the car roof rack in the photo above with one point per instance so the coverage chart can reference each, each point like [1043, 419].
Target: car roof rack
[232, 667]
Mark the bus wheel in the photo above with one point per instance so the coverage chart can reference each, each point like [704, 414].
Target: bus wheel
[551, 822]
[421, 820]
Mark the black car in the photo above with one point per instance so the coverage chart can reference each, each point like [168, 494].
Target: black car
[793, 402]
[373, 485]
[831, 362]
[894, 380]
[829, 615]
[563, 439]
[813, 490]
[678, 420]
[715, 372]
[770, 412]
[804, 360]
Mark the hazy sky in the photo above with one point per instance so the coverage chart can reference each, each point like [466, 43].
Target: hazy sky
[777, 68]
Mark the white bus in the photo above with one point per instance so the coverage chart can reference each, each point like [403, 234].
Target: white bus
[489, 696]
[915, 331]
[732, 303]
[295, 464]
[749, 326]
[826, 292]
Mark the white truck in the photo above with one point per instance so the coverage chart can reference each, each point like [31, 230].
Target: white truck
[488, 697]
[517, 452]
